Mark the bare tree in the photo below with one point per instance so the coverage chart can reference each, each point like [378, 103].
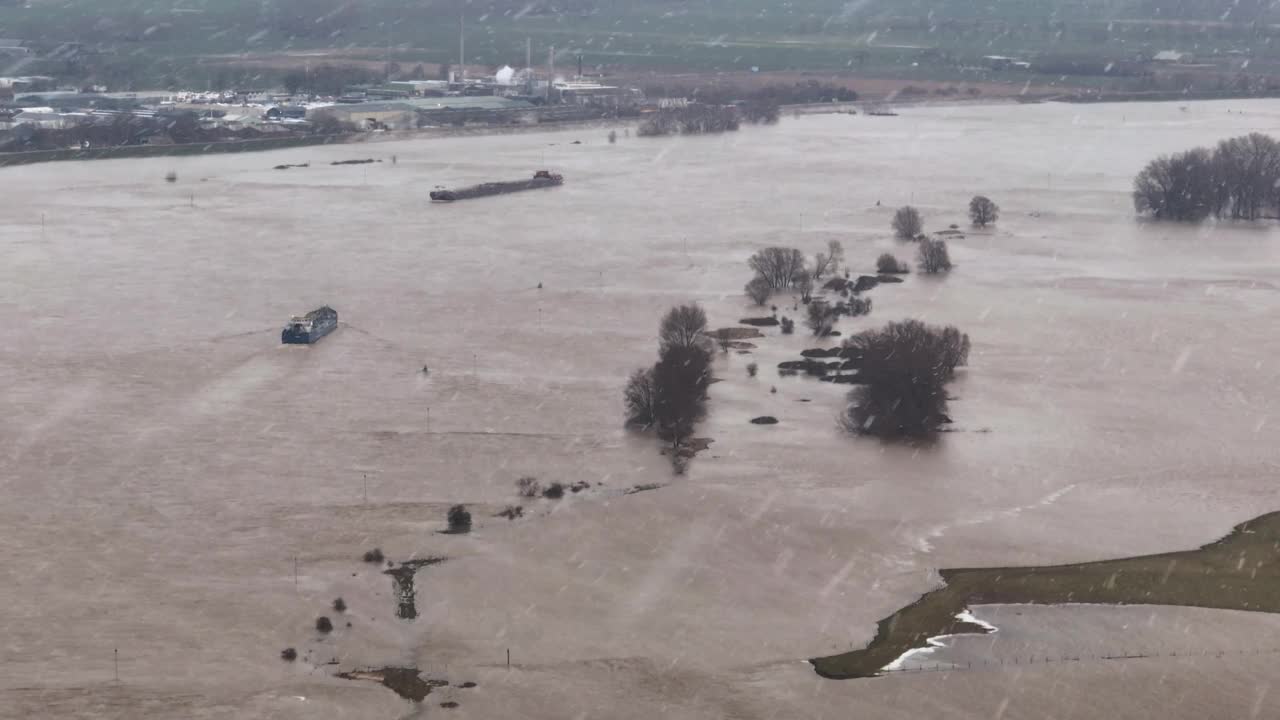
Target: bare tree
[904, 367]
[778, 266]
[835, 252]
[821, 264]
[804, 283]
[758, 290]
[933, 256]
[982, 211]
[640, 399]
[683, 326]
[907, 222]
[887, 264]
[1181, 186]
[1249, 168]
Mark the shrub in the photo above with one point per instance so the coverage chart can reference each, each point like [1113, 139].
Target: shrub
[459, 519]
[887, 264]
[579, 487]
[855, 306]
[933, 256]
[752, 369]
[374, 556]
[324, 625]
[289, 654]
[339, 605]
[171, 176]
[511, 512]
[788, 326]
[821, 319]
[554, 491]
[528, 486]
[724, 341]
[982, 211]
[907, 222]
[904, 367]
[613, 136]
[758, 290]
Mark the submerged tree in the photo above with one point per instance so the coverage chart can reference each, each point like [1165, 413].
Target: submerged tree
[907, 222]
[683, 326]
[904, 367]
[758, 290]
[778, 266]
[680, 381]
[887, 264]
[640, 398]
[1177, 187]
[982, 211]
[933, 256]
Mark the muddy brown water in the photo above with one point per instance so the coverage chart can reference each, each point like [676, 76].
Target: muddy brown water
[166, 459]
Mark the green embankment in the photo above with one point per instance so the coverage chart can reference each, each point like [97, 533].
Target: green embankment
[1239, 572]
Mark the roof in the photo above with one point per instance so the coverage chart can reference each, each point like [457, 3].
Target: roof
[482, 102]
[1169, 56]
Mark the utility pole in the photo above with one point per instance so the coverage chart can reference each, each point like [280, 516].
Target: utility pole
[366, 488]
[116, 655]
[295, 573]
[462, 47]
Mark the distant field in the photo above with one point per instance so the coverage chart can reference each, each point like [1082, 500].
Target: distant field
[162, 41]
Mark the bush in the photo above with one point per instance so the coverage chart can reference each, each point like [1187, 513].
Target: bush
[933, 256]
[821, 319]
[752, 369]
[887, 264]
[982, 211]
[324, 625]
[511, 512]
[528, 487]
[579, 487]
[613, 136]
[459, 519]
[554, 491]
[289, 654]
[339, 605]
[788, 326]
[758, 290]
[171, 176]
[904, 367]
[907, 222]
[856, 306]
[374, 556]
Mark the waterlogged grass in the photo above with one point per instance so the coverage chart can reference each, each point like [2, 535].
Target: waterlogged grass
[1239, 572]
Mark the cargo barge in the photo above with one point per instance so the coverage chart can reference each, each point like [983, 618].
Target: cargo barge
[311, 327]
[540, 179]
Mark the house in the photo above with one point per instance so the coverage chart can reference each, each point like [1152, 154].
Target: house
[286, 112]
[1173, 57]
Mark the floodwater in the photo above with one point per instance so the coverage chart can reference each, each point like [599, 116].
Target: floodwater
[168, 464]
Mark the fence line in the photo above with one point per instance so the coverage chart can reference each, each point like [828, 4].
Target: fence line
[1032, 660]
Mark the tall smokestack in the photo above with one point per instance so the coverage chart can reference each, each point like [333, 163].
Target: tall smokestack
[551, 69]
[462, 46]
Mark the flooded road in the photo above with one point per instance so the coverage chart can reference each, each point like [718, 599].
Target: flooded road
[169, 463]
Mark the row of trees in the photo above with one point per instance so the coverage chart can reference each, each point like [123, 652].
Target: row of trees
[671, 396]
[691, 120]
[1238, 179]
[779, 268]
[908, 223]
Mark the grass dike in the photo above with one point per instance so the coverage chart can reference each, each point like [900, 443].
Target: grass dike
[1238, 572]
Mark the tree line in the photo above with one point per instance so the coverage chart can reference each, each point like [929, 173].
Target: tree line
[1238, 179]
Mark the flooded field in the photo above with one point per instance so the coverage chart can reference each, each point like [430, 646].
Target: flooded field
[183, 489]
